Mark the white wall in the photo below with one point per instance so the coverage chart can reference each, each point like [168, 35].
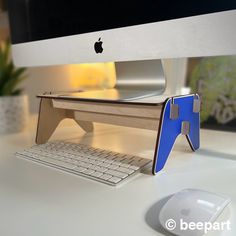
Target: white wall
[45, 79]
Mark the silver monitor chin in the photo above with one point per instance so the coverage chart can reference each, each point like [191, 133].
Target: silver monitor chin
[204, 35]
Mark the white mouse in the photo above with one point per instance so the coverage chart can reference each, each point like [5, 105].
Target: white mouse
[191, 205]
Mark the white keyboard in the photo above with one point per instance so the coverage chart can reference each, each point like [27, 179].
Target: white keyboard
[94, 163]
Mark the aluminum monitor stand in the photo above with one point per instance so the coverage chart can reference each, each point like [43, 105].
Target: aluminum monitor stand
[138, 79]
[135, 80]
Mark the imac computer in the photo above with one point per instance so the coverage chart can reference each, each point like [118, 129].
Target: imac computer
[134, 35]
[137, 36]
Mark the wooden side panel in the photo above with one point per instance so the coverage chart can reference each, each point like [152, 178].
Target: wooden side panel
[48, 120]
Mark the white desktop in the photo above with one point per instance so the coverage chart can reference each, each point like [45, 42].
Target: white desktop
[36, 200]
[89, 208]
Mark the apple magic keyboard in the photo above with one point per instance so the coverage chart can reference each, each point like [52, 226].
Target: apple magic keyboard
[98, 164]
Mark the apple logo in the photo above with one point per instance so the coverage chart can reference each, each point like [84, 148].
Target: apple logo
[98, 46]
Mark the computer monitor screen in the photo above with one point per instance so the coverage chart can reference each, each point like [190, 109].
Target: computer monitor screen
[46, 32]
[45, 19]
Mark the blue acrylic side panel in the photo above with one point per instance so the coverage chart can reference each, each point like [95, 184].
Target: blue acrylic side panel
[170, 129]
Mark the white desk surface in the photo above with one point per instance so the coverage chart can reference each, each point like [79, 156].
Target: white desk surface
[39, 201]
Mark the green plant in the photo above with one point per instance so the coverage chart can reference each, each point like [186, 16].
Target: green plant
[10, 76]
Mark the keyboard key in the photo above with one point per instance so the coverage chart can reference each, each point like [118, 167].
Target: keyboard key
[119, 159]
[84, 164]
[109, 161]
[71, 161]
[104, 164]
[88, 172]
[115, 180]
[101, 159]
[113, 167]
[59, 163]
[105, 176]
[97, 174]
[117, 173]
[134, 167]
[80, 169]
[91, 161]
[116, 163]
[102, 169]
[97, 162]
[125, 165]
[125, 170]
[127, 160]
[103, 155]
[111, 157]
[93, 167]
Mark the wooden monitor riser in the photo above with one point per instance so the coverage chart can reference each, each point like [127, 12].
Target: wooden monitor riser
[168, 116]
[52, 111]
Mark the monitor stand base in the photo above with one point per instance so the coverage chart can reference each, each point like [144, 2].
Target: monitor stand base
[115, 94]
